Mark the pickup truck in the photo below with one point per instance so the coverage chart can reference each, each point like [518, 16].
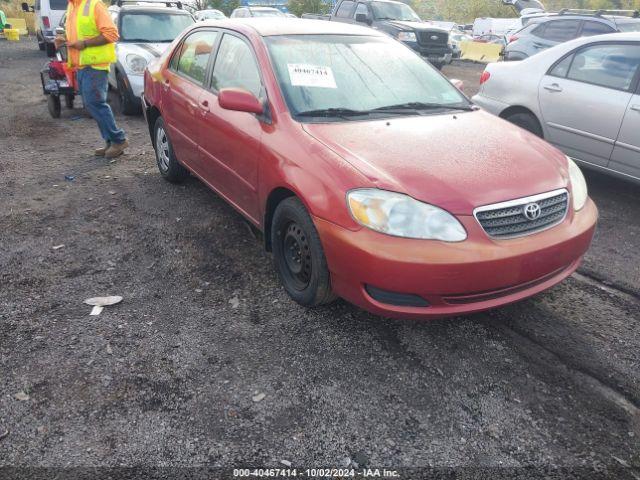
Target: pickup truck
[397, 20]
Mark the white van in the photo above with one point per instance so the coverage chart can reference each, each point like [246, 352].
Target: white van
[493, 26]
[48, 16]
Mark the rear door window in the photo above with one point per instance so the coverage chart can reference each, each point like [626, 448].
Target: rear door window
[562, 68]
[192, 57]
[561, 30]
[608, 65]
[345, 9]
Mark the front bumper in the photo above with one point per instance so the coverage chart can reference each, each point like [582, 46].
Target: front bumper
[454, 278]
[135, 84]
[437, 54]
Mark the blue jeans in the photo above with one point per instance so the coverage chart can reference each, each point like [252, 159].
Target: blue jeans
[93, 87]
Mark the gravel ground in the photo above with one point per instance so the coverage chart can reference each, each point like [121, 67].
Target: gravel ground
[207, 363]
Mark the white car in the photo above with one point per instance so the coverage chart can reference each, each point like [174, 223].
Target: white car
[582, 96]
[146, 30]
[209, 14]
[249, 12]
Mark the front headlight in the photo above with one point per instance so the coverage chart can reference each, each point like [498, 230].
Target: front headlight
[407, 36]
[136, 63]
[578, 185]
[402, 216]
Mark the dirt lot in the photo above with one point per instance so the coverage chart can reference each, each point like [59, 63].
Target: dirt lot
[168, 377]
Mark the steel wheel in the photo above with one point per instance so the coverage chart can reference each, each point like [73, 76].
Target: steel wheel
[162, 149]
[297, 256]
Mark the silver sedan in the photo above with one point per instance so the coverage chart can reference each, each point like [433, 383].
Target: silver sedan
[582, 96]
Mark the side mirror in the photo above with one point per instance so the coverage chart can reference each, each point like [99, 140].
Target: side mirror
[239, 100]
[363, 18]
[26, 8]
[459, 84]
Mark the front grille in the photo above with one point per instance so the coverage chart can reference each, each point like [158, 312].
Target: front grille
[425, 38]
[523, 216]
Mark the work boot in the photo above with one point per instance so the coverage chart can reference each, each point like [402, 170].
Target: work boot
[116, 149]
[100, 152]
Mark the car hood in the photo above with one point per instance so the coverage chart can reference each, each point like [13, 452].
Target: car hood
[148, 51]
[457, 162]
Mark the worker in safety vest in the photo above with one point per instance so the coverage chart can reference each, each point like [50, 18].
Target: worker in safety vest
[90, 36]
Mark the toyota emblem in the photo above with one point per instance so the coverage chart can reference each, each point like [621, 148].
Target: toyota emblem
[532, 211]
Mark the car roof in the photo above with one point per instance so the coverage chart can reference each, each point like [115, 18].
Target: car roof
[272, 26]
[563, 48]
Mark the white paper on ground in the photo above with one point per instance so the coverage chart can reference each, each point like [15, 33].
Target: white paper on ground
[96, 310]
[304, 75]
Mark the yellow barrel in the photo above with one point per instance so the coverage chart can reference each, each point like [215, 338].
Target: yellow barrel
[12, 34]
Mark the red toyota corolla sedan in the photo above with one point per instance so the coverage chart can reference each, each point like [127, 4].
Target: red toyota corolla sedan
[371, 176]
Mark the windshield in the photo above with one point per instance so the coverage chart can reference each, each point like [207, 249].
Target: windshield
[266, 13]
[394, 11]
[629, 27]
[153, 27]
[359, 73]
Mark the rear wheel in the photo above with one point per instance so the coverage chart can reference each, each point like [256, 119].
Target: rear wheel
[298, 255]
[53, 105]
[527, 121]
[68, 101]
[168, 164]
[40, 43]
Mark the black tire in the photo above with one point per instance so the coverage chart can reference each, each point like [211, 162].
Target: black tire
[50, 49]
[68, 100]
[53, 104]
[168, 164]
[298, 255]
[527, 121]
[129, 105]
[41, 45]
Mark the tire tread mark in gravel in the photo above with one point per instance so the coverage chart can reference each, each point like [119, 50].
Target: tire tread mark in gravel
[611, 391]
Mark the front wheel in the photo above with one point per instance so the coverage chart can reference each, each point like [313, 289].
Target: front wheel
[168, 164]
[298, 255]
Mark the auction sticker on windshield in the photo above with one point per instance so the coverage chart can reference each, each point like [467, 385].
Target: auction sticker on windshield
[303, 75]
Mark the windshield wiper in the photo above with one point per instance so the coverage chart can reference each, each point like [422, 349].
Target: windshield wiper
[333, 112]
[417, 106]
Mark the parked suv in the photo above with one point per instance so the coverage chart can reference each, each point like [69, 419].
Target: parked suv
[541, 33]
[145, 33]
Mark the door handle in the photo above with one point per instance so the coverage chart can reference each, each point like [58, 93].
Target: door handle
[165, 85]
[635, 107]
[554, 87]
[204, 105]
